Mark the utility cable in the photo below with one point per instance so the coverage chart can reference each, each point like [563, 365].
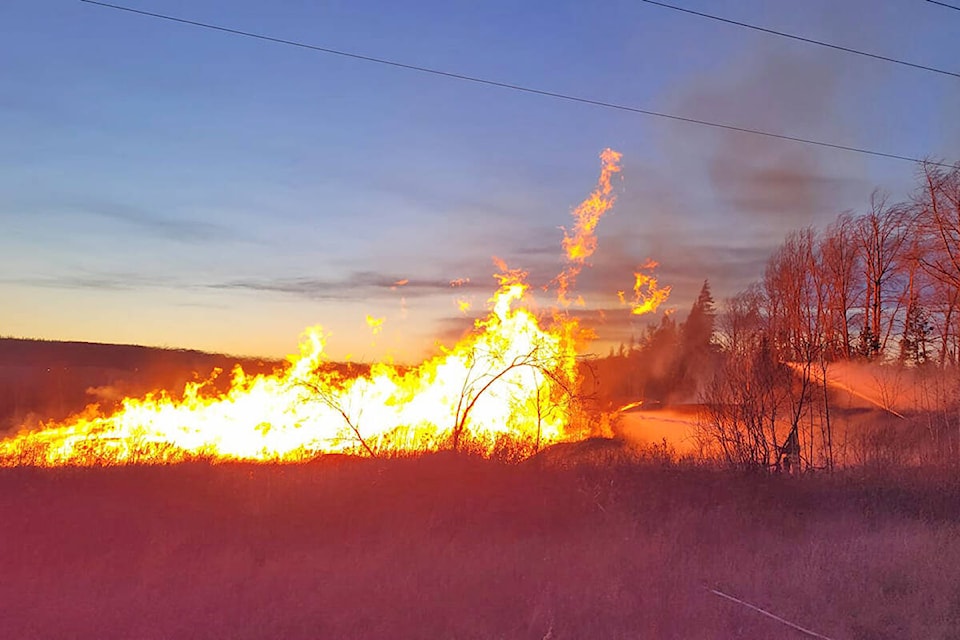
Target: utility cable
[944, 4]
[521, 88]
[803, 39]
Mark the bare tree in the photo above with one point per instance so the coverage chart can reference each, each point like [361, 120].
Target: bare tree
[939, 200]
[938, 205]
[894, 274]
[882, 236]
[487, 368]
[839, 257]
[744, 401]
[796, 314]
[325, 388]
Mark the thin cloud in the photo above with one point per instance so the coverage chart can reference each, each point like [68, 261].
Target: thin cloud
[159, 225]
[359, 285]
[117, 217]
[99, 282]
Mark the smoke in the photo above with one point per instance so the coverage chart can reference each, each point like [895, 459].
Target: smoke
[891, 388]
[714, 204]
[787, 184]
[107, 393]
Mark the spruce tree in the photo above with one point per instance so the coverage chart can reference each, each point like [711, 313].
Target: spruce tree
[916, 334]
[696, 344]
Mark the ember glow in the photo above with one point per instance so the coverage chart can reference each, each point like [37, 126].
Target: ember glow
[511, 382]
[375, 324]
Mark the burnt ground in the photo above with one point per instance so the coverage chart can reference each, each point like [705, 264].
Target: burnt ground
[574, 544]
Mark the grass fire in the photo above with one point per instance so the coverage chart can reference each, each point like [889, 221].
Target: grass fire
[476, 320]
[510, 385]
[756, 482]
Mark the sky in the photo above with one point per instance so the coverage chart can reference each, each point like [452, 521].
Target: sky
[168, 185]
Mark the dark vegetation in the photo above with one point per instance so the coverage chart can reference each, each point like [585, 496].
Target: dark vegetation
[585, 541]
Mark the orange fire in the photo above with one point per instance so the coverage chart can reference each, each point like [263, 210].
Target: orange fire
[648, 295]
[375, 324]
[509, 385]
[510, 380]
[582, 242]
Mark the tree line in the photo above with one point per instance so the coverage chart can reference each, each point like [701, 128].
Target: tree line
[879, 288]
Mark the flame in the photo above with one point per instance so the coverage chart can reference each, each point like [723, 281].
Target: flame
[492, 386]
[375, 324]
[510, 383]
[582, 242]
[463, 304]
[648, 295]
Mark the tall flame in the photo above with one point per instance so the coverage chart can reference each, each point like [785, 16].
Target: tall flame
[582, 241]
[511, 382]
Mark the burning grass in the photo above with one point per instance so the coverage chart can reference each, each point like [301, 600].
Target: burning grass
[584, 539]
[512, 381]
[578, 542]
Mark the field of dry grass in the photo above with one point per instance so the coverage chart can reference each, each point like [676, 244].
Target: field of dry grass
[454, 547]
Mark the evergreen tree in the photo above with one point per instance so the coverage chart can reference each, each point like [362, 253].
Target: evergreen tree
[869, 344]
[696, 345]
[916, 334]
[697, 333]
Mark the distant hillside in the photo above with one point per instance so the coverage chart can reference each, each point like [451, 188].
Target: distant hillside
[42, 379]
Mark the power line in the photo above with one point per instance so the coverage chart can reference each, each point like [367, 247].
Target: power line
[944, 4]
[516, 87]
[807, 40]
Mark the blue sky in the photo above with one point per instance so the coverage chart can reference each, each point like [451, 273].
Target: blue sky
[166, 185]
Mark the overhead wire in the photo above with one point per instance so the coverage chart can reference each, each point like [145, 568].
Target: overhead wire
[516, 87]
[820, 43]
[944, 4]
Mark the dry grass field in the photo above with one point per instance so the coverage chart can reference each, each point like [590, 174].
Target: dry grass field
[573, 544]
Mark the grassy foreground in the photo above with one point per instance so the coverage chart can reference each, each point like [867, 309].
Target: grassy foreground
[451, 547]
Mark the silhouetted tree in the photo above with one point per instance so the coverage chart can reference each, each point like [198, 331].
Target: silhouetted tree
[839, 255]
[882, 235]
[696, 346]
[916, 334]
[938, 222]
[697, 332]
